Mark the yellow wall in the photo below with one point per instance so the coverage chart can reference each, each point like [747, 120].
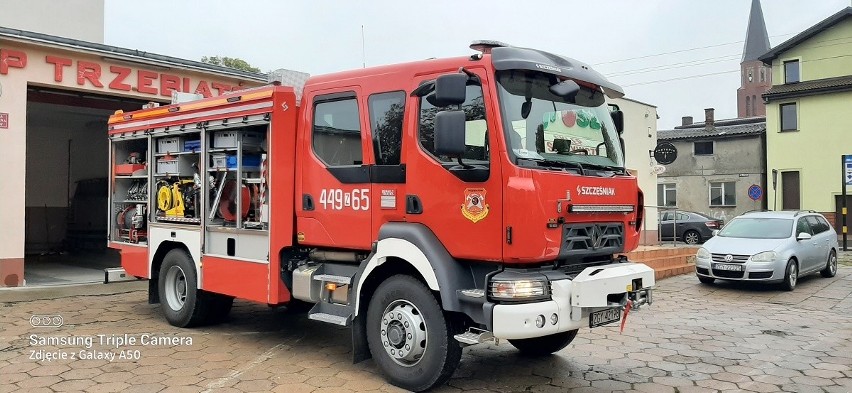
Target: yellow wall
[824, 55]
[825, 133]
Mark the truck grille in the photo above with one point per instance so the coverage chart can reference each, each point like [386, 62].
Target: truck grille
[587, 245]
[593, 236]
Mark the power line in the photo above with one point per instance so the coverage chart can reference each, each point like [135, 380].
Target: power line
[681, 78]
[675, 65]
[682, 50]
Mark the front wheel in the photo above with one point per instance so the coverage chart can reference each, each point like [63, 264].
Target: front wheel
[545, 345]
[791, 275]
[830, 266]
[409, 336]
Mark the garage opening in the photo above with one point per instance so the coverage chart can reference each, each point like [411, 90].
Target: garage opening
[66, 185]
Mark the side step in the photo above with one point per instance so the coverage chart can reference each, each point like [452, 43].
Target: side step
[333, 319]
[474, 336]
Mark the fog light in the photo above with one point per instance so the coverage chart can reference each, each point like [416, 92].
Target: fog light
[553, 319]
[539, 322]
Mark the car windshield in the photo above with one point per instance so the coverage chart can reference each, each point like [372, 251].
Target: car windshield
[541, 126]
[758, 228]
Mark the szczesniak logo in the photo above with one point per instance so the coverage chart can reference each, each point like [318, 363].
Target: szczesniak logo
[474, 207]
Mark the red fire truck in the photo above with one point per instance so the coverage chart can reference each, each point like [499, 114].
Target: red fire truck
[427, 205]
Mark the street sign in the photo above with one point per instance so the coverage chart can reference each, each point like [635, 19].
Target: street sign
[847, 165]
[665, 153]
[755, 192]
[4, 120]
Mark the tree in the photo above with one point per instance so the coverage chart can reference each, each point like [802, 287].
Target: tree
[230, 62]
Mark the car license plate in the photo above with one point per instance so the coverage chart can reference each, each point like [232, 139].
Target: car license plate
[733, 268]
[604, 317]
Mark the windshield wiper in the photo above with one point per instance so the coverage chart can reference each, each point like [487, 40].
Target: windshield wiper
[616, 169]
[554, 163]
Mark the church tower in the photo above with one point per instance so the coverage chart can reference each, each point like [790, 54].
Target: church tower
[756, 77]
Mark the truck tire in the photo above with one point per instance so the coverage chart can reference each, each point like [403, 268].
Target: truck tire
[545, 345]
[409, 336]
[182, 303]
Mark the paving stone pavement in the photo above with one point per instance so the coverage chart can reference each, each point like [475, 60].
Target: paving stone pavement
[694, 338]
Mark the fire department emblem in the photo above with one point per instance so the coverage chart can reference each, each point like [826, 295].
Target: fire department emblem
[474, 207]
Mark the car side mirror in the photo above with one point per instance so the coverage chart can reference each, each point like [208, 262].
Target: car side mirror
[451, 89]
[803, 236]
[449, 133]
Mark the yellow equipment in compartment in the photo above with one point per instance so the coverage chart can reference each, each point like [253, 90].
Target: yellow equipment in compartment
[170, 198]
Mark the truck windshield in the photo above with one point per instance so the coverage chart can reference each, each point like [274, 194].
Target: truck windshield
[554, 130]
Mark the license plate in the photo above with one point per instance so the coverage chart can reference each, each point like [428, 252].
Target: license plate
[604, 317]
[733, 268]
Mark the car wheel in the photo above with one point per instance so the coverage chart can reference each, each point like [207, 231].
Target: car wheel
[706, 280]
[545, 345]
[692, 237]
[410, 337]
[830, 266]
[791, 275]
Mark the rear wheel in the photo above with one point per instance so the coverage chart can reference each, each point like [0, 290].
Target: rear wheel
[410, 337]
[791, 275]
[545, 345]
[183, 304]
[830, 266]
[691, 237]
[706, 280]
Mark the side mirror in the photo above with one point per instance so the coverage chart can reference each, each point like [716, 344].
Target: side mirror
[618, 120]
[451, 89]
[449, 133]
[804, 236]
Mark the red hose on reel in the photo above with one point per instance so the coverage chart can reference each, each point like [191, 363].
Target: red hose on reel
[228, 203]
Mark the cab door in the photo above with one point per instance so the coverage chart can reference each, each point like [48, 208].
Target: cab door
[460, 203]
[334, 184]
[386, 115]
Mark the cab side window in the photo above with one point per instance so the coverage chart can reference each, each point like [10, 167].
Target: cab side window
[476, 129]
[337, 130]
[386, 113]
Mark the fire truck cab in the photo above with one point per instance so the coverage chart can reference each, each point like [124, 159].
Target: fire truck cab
[427, 205]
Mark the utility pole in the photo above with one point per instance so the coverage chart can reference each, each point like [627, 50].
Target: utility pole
[364, 53]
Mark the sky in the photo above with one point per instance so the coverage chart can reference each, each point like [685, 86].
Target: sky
[680, 55]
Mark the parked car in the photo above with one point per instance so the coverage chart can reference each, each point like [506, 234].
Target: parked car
[691, 227]
[771, 247]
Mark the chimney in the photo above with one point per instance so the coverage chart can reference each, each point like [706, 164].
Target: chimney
[686, 121]
[709, 122]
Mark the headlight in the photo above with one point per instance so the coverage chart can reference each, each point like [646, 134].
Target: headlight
[766, 256]
[703, 253]
[519, 290]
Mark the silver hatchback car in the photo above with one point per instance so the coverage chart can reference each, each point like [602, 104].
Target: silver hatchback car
[770, 246]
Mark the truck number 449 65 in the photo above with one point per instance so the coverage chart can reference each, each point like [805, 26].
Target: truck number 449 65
[337, 199]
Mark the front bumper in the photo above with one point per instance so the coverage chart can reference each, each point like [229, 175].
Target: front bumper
[572, 300]
[752, 271]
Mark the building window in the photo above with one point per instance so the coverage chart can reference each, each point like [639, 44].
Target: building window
[791, 71]
[386, 110]
[748, 106]
[703, 148]
[762, 74]
[666, 195]
[723, 194]
[753, 105]
[337, 131]
[788, 117]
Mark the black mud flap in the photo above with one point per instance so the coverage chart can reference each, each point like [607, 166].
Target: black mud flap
[360, 348]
